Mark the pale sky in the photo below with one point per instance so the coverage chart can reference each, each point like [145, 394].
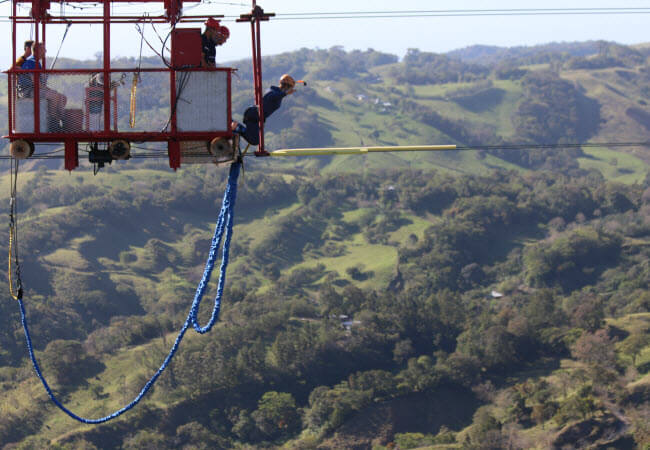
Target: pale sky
[392, 35]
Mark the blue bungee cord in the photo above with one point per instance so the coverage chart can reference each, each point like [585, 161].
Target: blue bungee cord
[224, 222]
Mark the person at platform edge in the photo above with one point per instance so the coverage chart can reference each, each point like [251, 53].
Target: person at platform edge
[55, 100]
[27, 53]
[250, 129]
[215, 34]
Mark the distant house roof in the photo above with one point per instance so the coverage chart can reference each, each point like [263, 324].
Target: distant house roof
[496, 294]
[350, 323]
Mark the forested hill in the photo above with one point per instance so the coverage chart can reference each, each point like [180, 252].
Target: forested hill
[468, 300]
[547, 94]
[404, 306]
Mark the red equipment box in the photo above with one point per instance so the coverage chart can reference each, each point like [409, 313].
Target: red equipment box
[186, 47]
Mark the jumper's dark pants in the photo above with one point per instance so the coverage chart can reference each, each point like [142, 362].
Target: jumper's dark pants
[251, 128]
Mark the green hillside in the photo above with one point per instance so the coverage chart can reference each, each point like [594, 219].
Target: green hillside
[540, 95]
[488, 299]
[409, 257]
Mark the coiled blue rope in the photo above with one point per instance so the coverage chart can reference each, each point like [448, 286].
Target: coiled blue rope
[224, 222]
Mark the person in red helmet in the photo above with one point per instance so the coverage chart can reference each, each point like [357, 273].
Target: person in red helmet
[214, 34]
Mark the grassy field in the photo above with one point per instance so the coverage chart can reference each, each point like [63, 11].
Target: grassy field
[635, 324]
[358, 117]
[614, 165]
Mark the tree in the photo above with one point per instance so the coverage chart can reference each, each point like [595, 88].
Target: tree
[328, 408]
[518, 411]
[493, 346]
[634, 344]
[485, 432]
[276, 414]
[402, 351]
[244, 427]
[580, 405]
[380, 383]
[595, 349]
[67, 361]
[542, 412]
[419, 376]
[589, 313]
[460, 368]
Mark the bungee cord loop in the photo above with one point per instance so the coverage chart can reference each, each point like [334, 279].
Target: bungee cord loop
[224, 225]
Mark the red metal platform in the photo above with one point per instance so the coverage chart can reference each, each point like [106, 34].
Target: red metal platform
[76, 105]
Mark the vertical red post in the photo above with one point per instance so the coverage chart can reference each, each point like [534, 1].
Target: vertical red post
[37, 89]
[174, 150]
[260, 88]
[173, 101]
[229, 120]
[107, 65]
[44, 61]
[71, 154]
[173, 146]
[10, 102]
[13, 31]
[10, 99]
[255, 17]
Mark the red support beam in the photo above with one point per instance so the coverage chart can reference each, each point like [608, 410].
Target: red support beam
[256, 16]
[174, 150]
[100, 1]
[107, 66]
[71, 155]
[13, 35]
[10, 93]
[261, 151]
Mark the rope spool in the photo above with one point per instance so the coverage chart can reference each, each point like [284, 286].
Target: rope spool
[222, 150]
[120, 149]
[21, 149]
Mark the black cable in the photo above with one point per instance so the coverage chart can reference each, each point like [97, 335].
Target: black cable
[447, 13]
[182, 82]
[442, 11]
[13, 232]
[67, 28]
[145, 40]
[58, 150]
[423, 15]
[163, 154]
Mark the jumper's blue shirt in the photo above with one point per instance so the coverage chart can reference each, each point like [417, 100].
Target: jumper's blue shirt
[272, 100]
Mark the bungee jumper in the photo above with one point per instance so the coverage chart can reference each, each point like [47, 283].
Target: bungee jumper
[272, 100]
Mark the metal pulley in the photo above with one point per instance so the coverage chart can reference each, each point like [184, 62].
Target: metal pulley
[21, 149]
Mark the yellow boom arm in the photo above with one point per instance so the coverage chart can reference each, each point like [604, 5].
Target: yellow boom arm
[359, 150]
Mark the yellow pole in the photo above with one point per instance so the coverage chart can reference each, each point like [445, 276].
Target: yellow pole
[359, 150]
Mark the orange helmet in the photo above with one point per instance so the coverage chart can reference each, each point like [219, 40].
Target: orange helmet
[288, 80]
[212, 23]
